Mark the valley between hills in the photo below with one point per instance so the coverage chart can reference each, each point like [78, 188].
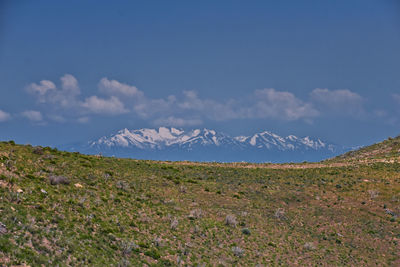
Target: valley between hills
[69, 209]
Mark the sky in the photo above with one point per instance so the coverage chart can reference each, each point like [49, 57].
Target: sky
[72, 71]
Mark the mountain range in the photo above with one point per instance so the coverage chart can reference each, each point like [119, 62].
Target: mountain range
[174, 144]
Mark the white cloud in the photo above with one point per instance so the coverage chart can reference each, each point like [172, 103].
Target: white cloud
[42, 88]
[335, 97]
[67, 98]
[341, 101]
[189, 108]
[177, 122]
[4, 116]
[191, 101]
[32, 115]
[111, 106]
[209, 108]
[69, 85]
[269, 103]
[47, 92]
[147, 108]
[113, 87]
[262, 104]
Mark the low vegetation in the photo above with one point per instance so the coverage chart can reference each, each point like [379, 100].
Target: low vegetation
[60, 208]
[386, 151]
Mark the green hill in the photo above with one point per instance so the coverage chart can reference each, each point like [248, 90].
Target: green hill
[385, 151]
[60, 208]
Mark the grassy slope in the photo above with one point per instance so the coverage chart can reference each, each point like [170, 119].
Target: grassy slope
[122, 214]
[388, 150]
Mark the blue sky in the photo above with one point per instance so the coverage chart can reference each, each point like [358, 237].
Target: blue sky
[75, 70]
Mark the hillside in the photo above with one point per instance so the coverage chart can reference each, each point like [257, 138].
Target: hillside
[69, 209]
[385, 151]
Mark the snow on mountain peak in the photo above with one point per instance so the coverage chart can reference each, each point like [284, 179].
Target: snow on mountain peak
[168, 137]
[210, 131]
[176, 131]
[165, 133]
[253, 140]
[241, 138]
[196, 132]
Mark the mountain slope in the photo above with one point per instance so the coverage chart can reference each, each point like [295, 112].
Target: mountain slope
[209, 145]
[387, 150]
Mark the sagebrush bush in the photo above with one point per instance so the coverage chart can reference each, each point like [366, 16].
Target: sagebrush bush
[309, 246]
[128, 246]
[237, 251]
[373, 194]
[38, 150]
[195, 214]
[3, 229]
[230, 220]
[55, 180]
[174, 224]
[280, 214]
[122, 185]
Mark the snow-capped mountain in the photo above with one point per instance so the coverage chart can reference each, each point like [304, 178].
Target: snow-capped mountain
[268, 140]
[164, 137]
[209, 145]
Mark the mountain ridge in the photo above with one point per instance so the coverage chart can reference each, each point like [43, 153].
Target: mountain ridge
[169, 143]
[174, 136]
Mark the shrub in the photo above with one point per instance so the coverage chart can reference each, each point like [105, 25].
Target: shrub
[9, 164]
[246, 231]
[174, 224]
[158, 242]
[3, 229]
[280, 214]
[309, 246]
[195, 214]
[122, 185]
[237, 251]
[183, 189]
[230, 220]
[38, 150]
[124, 263]
[127, 247]
[55, 180]
[390, 212]
[373, 194]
